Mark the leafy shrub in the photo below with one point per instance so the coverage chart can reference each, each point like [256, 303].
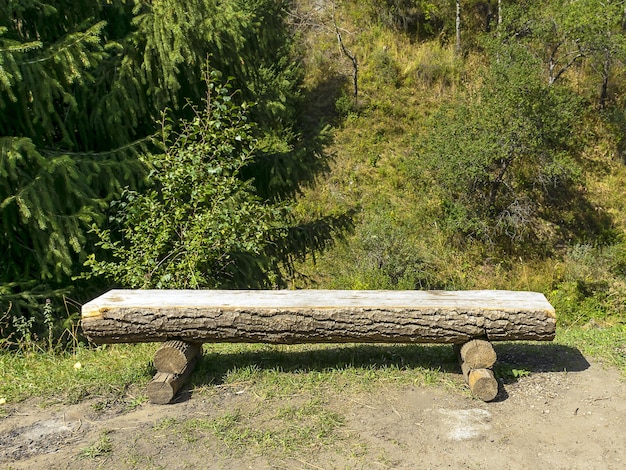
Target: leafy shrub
[502, 157]
[200, 224]
[383, 68]
[345, 105]
[382, 254]
[417, 17]
[592, 287]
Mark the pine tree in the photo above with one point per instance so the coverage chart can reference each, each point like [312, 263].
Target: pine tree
[54, 179]
[82, 87]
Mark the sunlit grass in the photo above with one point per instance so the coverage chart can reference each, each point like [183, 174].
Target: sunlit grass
[267, 371]
[106, 370]
[274, 371]
[277, 427]
[605, 344]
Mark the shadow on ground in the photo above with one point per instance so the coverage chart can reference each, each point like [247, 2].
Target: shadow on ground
[545, 357]
[531, 357]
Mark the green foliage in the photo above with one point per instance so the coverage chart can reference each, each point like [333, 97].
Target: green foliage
[437, 65]
[52, 183]
[384, 68]
[598, 29]
[592, 287]
[515, 161]
[429, 19]
[199, 224]
[508, 372]
[422, 18]
[504, 156]
[82, 88]
[567, 34]
[345, 105]
[389, 257]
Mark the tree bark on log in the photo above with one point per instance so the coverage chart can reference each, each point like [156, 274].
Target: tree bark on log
[313, 316]
[174, 356]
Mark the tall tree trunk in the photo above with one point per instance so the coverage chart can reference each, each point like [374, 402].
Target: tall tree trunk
[606, 73]
[458, 27]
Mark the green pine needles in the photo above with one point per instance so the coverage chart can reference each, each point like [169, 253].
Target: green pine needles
[82, 89]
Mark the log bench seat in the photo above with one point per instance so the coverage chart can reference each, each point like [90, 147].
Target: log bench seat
[322, 316]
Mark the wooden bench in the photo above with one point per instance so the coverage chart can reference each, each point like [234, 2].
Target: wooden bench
[468, 319]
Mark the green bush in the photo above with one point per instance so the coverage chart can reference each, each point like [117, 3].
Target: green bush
[502, 157]
[383, 69]
[200, 224]
[345, 105]
[592, 287]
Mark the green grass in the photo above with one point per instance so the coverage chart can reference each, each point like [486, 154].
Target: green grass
[104, 371]
[102, 447]
[270, 428]
[280, 428]
[605, 344]
[274, 371]
[120, 372]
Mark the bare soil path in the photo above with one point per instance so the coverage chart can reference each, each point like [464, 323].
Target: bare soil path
[568, 413]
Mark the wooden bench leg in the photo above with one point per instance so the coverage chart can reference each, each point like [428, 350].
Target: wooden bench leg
[174, 362]
[477, 357]
[174, 356]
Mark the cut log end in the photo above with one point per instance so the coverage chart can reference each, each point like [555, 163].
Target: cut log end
[478, 354]
[162, 388]
[482, 383]
[174, 356]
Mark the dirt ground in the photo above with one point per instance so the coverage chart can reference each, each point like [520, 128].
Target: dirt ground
[568, 413]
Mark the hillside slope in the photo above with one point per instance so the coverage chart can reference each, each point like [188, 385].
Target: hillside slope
[403, 237]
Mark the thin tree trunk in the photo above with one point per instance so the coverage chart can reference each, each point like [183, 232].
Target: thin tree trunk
[349, 55]
[606, 73]
[458, 27]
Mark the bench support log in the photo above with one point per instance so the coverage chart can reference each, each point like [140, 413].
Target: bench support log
[174, 362]
[317, 316]
[174, 356]
[476, 358]
[163, 387]
[477, 354]
[481, 382]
